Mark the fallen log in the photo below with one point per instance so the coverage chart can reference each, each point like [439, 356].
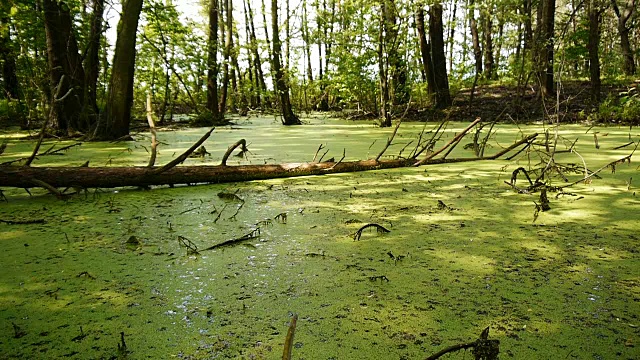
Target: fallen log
[111, 177]
[52, 178]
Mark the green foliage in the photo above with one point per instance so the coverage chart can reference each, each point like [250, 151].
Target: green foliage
[207, 119]
[11, 113]
[624, 108]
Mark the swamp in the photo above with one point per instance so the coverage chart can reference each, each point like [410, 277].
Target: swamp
[326, 179]
[464, 251]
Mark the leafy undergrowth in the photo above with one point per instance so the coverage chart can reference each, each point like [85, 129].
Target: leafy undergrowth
[566, 286]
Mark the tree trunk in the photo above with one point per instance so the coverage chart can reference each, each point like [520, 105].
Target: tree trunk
[452, 31]
[92, 61]
[443, 98]
[212, 62]
[629, 65]
[270, 54]
[120, 99]
[322, 60]
[239, 91]
[228, 44]
[282, 88]
[543, 47]
[256, 55]
[10, 85]
[169, 174]
[306, 39]
[487, 37]
[594, 42]
[528, 29]
[475, 38]
[65, 70]
[425, 53]
[109, 177]
[496, 62]
[397, 68]
[383, 65]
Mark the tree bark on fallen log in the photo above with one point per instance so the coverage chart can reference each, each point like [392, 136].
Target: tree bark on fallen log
[110, 177]
[52, 178]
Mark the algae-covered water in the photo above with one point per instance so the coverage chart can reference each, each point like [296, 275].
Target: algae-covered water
[566, 286]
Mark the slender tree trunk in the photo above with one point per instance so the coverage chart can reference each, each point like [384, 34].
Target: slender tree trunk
[92, 61]
[227, 55]
[212, 61]
[528, 29]
[425, 53]
[496, 61]
[475, 38]
[436, 28]
[385, 116]
[282, 88]
[322, 56]
[120, 98]
[10, 88]
[452, 32]
[594, 42]
[306, 39]
[543, 51]
[262, 87]
[270, 54]
[239, 91]
[487, 37]
[287, 34]
[629, 65]
[397, 67]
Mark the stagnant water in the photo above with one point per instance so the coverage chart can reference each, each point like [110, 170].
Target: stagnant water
[110, 261]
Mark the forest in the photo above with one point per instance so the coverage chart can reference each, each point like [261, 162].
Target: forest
[336, 179]
[364, 60]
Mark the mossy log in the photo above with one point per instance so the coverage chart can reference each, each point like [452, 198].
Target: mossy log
[110, 177]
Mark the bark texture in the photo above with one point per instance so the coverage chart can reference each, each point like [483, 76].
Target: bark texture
[109, 177]
[120, 98]
[212, 61]
[288, 117]
[436, 34]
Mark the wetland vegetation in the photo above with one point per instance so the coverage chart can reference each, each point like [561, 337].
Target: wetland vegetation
[109, 261]
[327, 179]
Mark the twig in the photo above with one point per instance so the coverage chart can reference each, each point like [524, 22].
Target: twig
[389, 140]
[613, 163]
[184, 155]
[46, 122]
[379, 228]
[192, 249]
[623, 146]
[344, 152]
[317, 151]
[252, 235]
[23, 222]
[48, 187]
[456, 138]
[152, 128]
[243, 149]
[288, 343]
[54, 152]
[482, 348]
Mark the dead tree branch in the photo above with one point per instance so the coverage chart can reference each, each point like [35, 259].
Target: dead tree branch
[184, 155]
[243, 150]
[455, 139]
